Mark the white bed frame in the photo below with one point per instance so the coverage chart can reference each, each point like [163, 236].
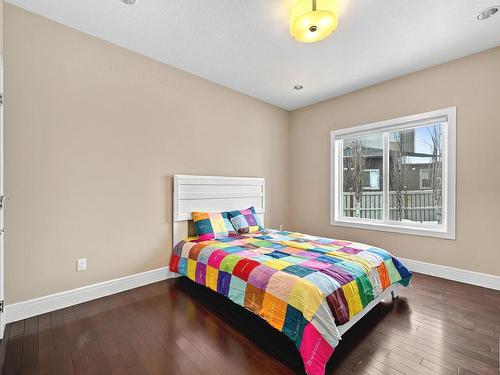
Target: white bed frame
[388, 294]
[218, 193]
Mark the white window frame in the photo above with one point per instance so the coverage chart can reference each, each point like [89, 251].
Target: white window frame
[444, 230]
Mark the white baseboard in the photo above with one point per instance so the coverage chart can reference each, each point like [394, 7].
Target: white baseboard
[455, 274]
[42, 305]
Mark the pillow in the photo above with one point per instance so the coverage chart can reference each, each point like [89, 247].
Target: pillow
[210, 225]
[245, 221]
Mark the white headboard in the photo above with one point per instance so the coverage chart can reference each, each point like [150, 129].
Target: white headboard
[213, 194]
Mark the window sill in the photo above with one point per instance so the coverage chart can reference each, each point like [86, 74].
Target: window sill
[427, 230]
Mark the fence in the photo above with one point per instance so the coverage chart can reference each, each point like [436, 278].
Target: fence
[418, 205]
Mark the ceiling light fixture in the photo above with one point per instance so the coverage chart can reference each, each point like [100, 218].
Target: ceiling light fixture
[313, 20]
[488, 12]
[129, 2]
[298, 87]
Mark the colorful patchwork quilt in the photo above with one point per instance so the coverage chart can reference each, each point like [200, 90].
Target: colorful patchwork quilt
[304, 286]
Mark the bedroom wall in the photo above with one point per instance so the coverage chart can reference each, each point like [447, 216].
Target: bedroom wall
[472, 84]
[93, 136]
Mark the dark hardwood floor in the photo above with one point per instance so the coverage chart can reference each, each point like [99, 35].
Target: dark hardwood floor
[176, 327]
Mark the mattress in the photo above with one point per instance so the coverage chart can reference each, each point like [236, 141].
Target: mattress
[302, 285]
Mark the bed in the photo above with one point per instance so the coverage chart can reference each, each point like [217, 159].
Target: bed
[312, 289]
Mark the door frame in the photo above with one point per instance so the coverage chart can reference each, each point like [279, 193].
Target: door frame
[2, 200]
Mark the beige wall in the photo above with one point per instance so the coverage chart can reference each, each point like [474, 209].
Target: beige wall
[473, 85]
[93, 136]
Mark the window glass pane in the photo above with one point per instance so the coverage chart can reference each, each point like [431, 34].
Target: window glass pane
[415, 175]
[362, 161]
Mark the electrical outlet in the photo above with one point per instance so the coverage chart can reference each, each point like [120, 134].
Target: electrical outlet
[281, 227]
[81, 264]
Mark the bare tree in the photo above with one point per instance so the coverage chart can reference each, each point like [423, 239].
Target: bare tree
[436, 169]
[355, 173]
[399, 171]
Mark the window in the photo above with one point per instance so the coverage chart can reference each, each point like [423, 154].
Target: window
[371, 179]
[425, 182]
[396, 175]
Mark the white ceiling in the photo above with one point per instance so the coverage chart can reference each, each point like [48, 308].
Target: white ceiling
[245, 44]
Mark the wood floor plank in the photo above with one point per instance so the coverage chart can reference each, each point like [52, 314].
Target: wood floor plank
[30, 346]
[45, 345]
[62, 360]
[3, 345]
[14, 353]
[436, 327]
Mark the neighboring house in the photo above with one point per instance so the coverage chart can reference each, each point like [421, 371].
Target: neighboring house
[417, 178]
